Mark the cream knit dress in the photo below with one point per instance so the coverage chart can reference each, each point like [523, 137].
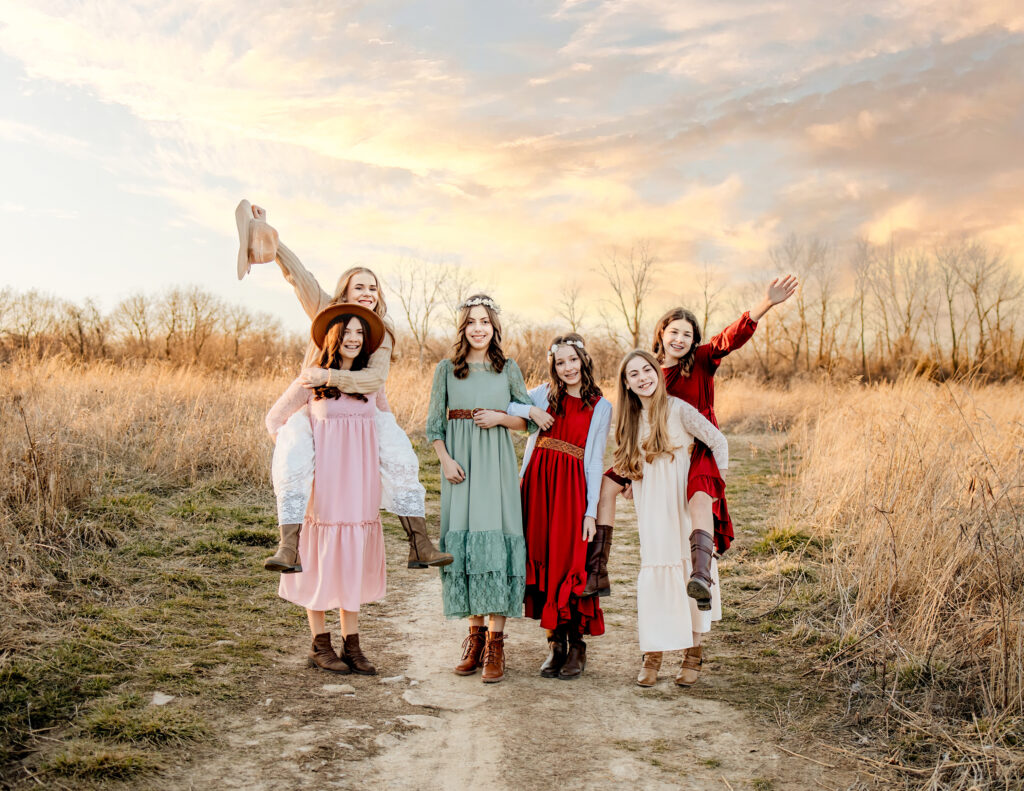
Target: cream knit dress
[666, 616]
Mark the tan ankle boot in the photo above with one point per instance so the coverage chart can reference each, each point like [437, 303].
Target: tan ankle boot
[494, 658]
[472, 651]
[689, 671]
[352, 655]
[321, 655]
[286, 559]
[422, 552]
[649, 668]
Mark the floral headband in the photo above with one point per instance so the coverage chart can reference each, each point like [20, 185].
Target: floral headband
[485, 301]
[554, 346]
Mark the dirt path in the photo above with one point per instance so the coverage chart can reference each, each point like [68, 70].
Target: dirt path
[418, 726]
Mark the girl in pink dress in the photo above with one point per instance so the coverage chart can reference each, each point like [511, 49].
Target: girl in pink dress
[341, 542]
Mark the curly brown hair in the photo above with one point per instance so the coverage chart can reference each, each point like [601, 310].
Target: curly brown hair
[461, 348]
[330, 354]
[589, 391]
[658, 347]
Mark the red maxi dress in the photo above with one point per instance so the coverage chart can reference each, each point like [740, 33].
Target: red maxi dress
[554, 491]
[698, 390]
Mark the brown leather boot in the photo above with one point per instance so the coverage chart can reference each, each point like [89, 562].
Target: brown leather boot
[556, 653]
[286, 559]
[689, 671]
[598, 549]
[472, 651]
[575, 660]
[352, 655]
[494, 658]
[649, 668]
[321, 655]
[422, 552]
[702, 547]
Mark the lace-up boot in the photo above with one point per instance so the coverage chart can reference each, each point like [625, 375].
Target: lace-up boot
[472, 651]
[494, 658]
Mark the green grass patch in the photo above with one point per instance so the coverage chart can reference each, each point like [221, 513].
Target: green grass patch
[784, 539]
[251, 538]
[125, 721]
[88, 760]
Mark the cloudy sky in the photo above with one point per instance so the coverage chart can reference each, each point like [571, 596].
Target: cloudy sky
[520, 140]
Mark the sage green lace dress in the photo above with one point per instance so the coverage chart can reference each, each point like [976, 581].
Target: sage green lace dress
[481, 518]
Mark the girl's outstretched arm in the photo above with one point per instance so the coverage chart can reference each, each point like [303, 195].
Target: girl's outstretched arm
[779, 290]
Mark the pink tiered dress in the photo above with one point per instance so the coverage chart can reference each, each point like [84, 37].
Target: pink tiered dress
[341, 546]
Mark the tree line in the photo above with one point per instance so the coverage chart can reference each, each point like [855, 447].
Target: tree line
[874, 311]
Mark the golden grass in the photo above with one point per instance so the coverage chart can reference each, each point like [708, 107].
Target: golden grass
[915, 490]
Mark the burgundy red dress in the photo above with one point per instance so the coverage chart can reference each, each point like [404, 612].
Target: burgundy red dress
[554, 492]
[698, 390]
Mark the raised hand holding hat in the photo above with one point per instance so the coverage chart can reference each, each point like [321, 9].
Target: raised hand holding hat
[257, 240]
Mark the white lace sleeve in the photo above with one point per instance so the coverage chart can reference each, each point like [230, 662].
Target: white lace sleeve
[704, 430]
[290, 402]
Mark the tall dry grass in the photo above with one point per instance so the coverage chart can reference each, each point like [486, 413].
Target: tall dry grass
[916, 491]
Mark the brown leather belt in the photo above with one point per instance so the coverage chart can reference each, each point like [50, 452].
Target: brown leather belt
[565, 447]
[466, 414]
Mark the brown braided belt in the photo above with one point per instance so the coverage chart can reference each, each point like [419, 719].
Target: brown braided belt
[565, 447]
[466, 414]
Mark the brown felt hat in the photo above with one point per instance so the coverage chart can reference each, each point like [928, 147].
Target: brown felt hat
[257, 241]
[319, 329]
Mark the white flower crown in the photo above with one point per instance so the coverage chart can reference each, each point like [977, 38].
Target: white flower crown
[485, 301]
[554, 346]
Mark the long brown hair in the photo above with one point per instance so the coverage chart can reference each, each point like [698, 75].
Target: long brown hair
[381, 308]
[630, 454]
[589, 391]
[330, 354]
[461, 348]
[686, 361]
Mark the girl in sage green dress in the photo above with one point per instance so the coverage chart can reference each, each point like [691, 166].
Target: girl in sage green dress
[481, 512]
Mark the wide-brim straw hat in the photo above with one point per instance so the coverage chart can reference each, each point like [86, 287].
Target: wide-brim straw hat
[319, 329]
[255, 236]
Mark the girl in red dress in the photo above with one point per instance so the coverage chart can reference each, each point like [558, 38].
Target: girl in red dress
[561, 476]
[689, 368]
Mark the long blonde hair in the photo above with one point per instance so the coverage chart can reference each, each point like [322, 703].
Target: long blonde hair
[630, 454]
[381, 308]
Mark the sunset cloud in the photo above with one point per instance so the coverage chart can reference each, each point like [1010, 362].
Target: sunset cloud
[514, 145]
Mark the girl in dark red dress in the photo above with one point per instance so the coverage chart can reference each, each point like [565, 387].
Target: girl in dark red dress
[561, 477]
[689, 368]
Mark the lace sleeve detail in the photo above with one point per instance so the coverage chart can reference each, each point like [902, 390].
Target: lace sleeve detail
[704, 430]
[518, 391]
[437, 412]
[288, 404]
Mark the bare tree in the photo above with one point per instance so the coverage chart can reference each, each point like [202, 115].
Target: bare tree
[84, 329]
[202, 317]
[631, 277]
[709, 290]
[861, 262]
[134, 318]
[421, 288]
[237, 321]
[569, 307]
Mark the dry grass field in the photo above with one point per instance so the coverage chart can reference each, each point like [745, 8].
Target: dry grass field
[892, 559]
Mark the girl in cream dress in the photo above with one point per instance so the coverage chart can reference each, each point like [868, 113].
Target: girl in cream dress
[654, 434]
